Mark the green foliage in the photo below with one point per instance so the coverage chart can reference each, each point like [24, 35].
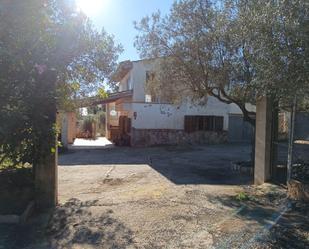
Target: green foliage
[102, 93]
[7, 163]
[235, 51]
[50, 54]
[242, 196]
[101, 117]
[87, 123]
[88, 127]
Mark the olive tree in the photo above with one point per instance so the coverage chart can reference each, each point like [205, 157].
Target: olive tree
[235, 51]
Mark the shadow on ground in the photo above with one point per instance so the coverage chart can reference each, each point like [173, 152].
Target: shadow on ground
[200, 170]
[280, 228]
[259, 208]
[292, 230]
[74, 225]
[24, 236]
[71, 225]
[209, 164]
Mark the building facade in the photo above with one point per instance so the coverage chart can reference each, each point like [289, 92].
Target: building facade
[135, 118]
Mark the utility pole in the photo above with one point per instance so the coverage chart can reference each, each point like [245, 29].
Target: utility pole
[291, 141]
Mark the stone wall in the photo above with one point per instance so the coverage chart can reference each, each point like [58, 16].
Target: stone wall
[150, 137]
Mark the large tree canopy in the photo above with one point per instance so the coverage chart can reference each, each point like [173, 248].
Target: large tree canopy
[235, 51]
[36, 37]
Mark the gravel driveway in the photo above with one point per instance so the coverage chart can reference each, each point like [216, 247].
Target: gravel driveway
[163, 197]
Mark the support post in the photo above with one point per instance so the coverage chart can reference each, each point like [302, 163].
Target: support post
[263, 157]
[291, 141]
[46, 188]
[274, 141]
[46, 148]
[107, 119]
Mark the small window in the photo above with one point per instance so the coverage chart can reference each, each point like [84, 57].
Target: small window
[203, 123]
[148, 98]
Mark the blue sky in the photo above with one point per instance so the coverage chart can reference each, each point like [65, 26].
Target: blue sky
[117, 16]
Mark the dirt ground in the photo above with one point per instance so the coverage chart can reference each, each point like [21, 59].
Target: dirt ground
[168, 197]
[163, 197]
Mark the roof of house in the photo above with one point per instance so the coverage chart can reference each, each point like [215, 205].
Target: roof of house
[124, 67]
[91, 101]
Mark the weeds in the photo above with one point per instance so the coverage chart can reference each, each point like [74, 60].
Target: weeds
[242, 196]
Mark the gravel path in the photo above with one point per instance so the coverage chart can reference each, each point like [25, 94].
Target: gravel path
[164, 197]
[168, 197]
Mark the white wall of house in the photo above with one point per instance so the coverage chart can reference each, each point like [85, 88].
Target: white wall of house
[165, 116]
[126, 83]
[138, 75]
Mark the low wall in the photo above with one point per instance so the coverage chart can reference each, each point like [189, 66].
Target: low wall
[150, 137]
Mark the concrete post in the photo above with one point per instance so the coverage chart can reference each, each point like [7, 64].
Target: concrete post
[263, 138]
[64, 130]
[275, 137]
[46, 184]
[71, 127]
[45, 166]
[107, 117]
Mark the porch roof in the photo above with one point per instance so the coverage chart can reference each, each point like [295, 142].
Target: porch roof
[91, 101]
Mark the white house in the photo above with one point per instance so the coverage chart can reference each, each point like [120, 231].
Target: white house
[134, 118]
